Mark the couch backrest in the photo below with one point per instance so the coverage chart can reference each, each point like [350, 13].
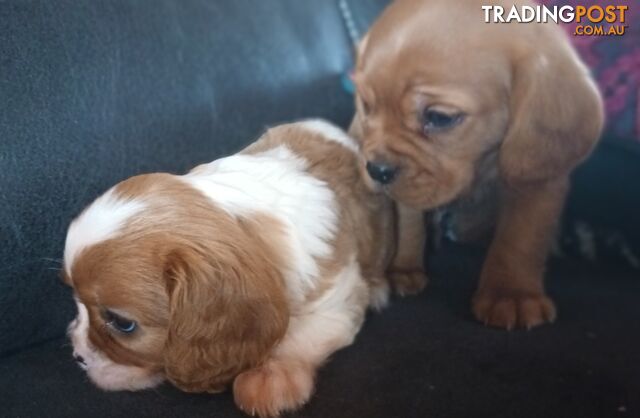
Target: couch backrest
[92, 92]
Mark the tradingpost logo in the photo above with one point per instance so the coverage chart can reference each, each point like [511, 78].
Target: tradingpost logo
[594, 20]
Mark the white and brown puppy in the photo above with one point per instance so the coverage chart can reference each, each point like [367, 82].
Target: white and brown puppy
[250, 270]
[487, 118]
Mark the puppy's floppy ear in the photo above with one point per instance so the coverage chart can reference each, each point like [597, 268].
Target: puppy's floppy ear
[227, 312]
[556, 118]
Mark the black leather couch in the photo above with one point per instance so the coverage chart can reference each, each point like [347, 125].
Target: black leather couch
[92, 92]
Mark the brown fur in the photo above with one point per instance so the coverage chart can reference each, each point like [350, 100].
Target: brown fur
[531, 114]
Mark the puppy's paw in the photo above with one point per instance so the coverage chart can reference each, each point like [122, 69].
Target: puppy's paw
[379, 294]
[408, 281]
[510, 308]
[273, 388]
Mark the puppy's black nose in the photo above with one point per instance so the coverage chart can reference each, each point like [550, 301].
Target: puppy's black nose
[381, 172]
[79, 358]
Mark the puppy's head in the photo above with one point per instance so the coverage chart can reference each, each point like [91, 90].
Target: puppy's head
[168, 285]
[441, 96]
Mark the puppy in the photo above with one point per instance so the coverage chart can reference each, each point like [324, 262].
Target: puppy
[454, 112]
[251, 270]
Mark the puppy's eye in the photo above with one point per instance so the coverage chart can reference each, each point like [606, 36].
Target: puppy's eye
[435, 121]
[120, 323]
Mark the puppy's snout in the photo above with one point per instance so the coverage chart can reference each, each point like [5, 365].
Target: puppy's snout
[381, 172]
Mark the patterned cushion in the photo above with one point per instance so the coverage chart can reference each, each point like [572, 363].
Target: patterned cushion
[615, 61]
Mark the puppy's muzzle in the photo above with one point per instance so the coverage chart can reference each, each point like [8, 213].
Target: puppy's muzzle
[381, 172]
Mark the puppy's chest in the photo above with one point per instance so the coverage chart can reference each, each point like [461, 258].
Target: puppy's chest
[472, 217]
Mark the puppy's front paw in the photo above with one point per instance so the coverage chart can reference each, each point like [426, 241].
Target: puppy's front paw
[273, 388]
[510, 308]
[379, 294]
[408, 281]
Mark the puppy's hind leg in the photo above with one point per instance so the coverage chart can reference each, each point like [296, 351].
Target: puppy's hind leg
[285, 381]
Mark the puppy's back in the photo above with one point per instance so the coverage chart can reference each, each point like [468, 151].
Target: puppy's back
[365, 218]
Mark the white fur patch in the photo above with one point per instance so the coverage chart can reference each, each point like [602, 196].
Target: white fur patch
[101, 370]
[329, 323]
[99, 222]
[329, 132]
[316, 330]
[276, 182]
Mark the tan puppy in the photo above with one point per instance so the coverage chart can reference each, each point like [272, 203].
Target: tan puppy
[452, 109]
